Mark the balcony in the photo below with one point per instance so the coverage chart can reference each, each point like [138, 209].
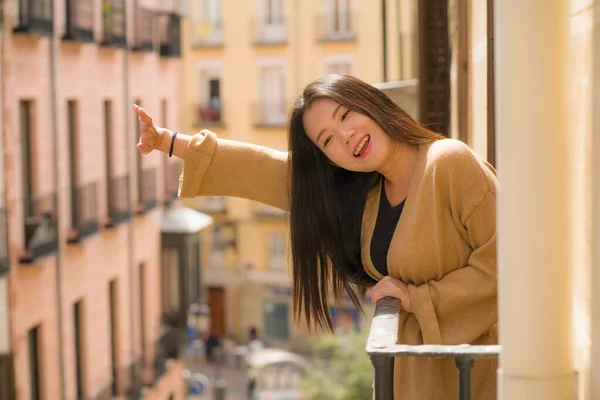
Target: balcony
[270, 114]
[169, 26]
[4, 262]
[118, 201]
[207, 33]
[40, 227]
[172, 173]
[264, 210]
[84, 212]
[114, 23]
[336, 26]
[146, 191]
[142, 39]
[35, 17]
[211, 204]
[382, 347]
[80, 20]
[269, 31]
[209, 115]
[159, 357]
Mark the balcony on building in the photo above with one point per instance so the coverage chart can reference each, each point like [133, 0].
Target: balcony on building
[79, 20]
[114, 25]
[265, 210]
[119, 210]
[212, 205]
[270, 113]
[142, 30]
[84, 212]
[169, 26]
[269, 30]
[35, 17]
[4, 261]
[207, 33]
[172, 173]
[147, 200]
[209, 113]
[40, 228]
[336, 26]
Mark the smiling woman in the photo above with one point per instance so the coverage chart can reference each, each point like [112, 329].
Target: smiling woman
[377, 202]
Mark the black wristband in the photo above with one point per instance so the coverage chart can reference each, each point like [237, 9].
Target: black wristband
[172, 142]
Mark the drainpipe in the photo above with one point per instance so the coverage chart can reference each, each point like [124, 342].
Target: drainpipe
[4, 287]
[534, 206]
[384, 37]
[130, 227]
[59, 273]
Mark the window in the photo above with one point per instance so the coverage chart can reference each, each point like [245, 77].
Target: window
[269, 25]
[33, 341]
[276, 320]
[337, 21]
[170, 279]
[277, 244]
[112, 309]
[142, 305]
[78, 333]
[341, 15]
[338, 64]
[208, 27]
[73, 161]
[25, 108]
[209, 109]
[217, 250]
[272, 110]
[408, 41]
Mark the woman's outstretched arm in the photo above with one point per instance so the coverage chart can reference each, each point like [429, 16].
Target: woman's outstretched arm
[218, 167]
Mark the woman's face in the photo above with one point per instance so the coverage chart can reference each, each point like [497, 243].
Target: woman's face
[349, 139]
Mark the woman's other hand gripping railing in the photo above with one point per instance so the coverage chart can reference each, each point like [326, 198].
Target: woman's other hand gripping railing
[382, 347]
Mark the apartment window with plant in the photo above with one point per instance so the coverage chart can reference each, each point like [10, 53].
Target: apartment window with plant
[277, 253]
[209, 109]
[208, 29]
[271, 110]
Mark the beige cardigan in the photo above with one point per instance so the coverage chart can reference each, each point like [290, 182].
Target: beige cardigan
[444, 247]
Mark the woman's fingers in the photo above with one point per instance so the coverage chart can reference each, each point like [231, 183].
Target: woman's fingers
[144, 148]
[143, 115]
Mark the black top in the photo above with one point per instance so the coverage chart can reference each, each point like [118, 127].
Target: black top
[385, 225]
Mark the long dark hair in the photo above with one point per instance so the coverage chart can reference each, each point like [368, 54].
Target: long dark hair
[327, 202]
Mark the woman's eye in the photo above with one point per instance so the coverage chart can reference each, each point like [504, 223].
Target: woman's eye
[345, 115]
[327, 141]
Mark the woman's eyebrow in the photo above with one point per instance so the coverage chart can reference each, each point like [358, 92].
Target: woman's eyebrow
[332, 117]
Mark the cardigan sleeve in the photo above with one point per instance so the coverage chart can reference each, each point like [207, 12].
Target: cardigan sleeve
[219, 167]
[462, 305]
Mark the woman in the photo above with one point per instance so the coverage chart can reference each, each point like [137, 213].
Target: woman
[375, 200]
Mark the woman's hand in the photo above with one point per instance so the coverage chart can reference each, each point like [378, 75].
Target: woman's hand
[389, 286]
[151, 136]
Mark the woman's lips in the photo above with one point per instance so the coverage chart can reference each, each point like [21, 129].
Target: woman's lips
[364, 145]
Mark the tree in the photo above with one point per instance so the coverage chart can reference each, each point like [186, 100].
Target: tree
[342, 370]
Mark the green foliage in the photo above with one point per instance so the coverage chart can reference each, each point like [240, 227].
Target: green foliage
[342, 370]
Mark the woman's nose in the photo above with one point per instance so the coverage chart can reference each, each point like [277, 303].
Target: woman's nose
[349, 136]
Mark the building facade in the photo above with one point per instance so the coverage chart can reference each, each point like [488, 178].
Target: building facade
[244, 64]
[84, 210]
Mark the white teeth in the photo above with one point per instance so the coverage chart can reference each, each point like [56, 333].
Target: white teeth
[361, 145]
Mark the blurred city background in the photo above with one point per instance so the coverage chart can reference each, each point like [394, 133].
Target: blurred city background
[112, 287]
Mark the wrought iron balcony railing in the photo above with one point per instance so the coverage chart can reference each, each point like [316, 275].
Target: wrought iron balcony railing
[80, 20]
[169, 26]
[269, 31]
[270, 113]
[40, 227]
[114, 22]
[35, 17]
[4, 262]
[8, 389]
[382, 348]
[172, 173]
[336, 26]
[209, 114]
[207, 33]
[119, 206]
[84, 212]
[146, 191]
[144, 22]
